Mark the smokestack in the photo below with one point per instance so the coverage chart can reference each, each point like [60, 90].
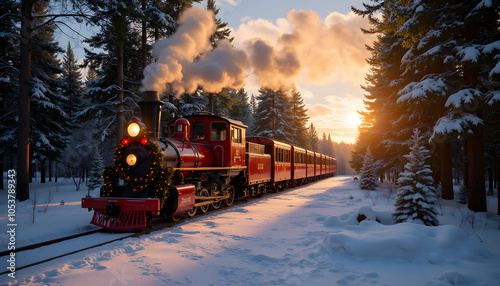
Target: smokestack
[151, 112]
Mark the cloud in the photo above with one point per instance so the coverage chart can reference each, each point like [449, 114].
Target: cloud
[318, 110]
[326, 50]
[229, 2]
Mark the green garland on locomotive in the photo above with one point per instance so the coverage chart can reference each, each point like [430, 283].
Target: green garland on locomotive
[155, 183]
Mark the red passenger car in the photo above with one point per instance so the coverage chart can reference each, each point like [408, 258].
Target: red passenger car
[281, 166]
[299, 165]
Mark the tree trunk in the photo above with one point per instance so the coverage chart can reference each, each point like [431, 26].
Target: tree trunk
[56, 173]
[119, 109]
[446, 171]
[50, 170]
[476, 187]
[476, 184]
[23, 131]
[498, 186]
[490, 181]
[42, 172]
[31, 172]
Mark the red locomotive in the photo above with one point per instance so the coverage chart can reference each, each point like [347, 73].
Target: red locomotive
[205, 161]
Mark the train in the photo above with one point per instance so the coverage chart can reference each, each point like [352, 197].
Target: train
[203, 162]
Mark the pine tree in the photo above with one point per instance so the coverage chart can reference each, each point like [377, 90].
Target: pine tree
[73, 89]
[222, 31]
[95, 179]
[368, 172]
[9, 83]
[415, 198]
[273, 116]
[312, 134]
[49, 123]
[240, 109]
[300, 119]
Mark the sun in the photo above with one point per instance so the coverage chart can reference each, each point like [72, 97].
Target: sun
[352, 119]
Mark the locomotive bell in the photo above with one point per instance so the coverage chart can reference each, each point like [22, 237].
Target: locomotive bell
[151, 112]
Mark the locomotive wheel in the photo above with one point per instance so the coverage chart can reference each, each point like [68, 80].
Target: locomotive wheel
[216, 192]
[229, 201]
[176, 218]
[192, 212]
[204, 193]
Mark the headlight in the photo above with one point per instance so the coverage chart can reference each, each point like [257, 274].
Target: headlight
[133, 129]
[131, 159]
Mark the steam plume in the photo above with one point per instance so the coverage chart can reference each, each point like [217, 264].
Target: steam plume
[320, 51]
[179, 61]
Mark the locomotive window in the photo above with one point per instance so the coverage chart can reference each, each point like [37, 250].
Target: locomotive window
[218, 132]
[236, 135]
[198, 131]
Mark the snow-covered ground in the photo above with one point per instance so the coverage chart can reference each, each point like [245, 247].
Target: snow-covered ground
[306, 236]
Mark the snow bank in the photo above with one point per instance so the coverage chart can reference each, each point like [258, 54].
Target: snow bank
[364, 213]
[406, 241]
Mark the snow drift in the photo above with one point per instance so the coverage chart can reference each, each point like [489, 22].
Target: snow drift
[407, 241]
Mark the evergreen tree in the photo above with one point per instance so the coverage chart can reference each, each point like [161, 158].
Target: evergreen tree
[415, 198]
[218, 103]
[240, 110]
[273, 116]
[192, 103]
[312, 134]
[384, 127]
[49, 123]
[95, 179]
[222, 31]
[300, 119]
[9, 84]
[73, 89]
[368, 172]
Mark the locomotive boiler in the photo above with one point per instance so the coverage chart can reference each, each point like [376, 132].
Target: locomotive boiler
[203, 161]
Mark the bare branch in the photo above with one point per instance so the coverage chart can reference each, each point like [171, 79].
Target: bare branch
[69, 27]
[55, 16]
[10, 15]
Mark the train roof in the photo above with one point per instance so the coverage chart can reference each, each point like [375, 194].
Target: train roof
[208, 114]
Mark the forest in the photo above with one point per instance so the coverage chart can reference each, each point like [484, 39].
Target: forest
[57, 122]
[435, 70]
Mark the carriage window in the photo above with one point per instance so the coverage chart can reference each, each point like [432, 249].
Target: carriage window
[198, 131]
[218, 132]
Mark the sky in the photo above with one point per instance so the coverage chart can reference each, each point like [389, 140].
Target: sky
[332, 50]
[333, 100]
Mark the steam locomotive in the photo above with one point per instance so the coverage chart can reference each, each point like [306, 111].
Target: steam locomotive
[205, 162]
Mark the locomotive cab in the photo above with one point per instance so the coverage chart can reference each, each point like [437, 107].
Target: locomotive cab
[225, 136]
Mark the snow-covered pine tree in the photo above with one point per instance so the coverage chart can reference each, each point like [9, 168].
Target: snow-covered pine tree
[383, 120]
[274, 116]
[415, 198]
[368, 173]
[240, 109]
[95, 173]
[49, 123]
[72, 90]
[300, 119]
[192, 103]
[9, 83]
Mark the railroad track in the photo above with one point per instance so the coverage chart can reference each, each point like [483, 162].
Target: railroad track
[73, 238]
